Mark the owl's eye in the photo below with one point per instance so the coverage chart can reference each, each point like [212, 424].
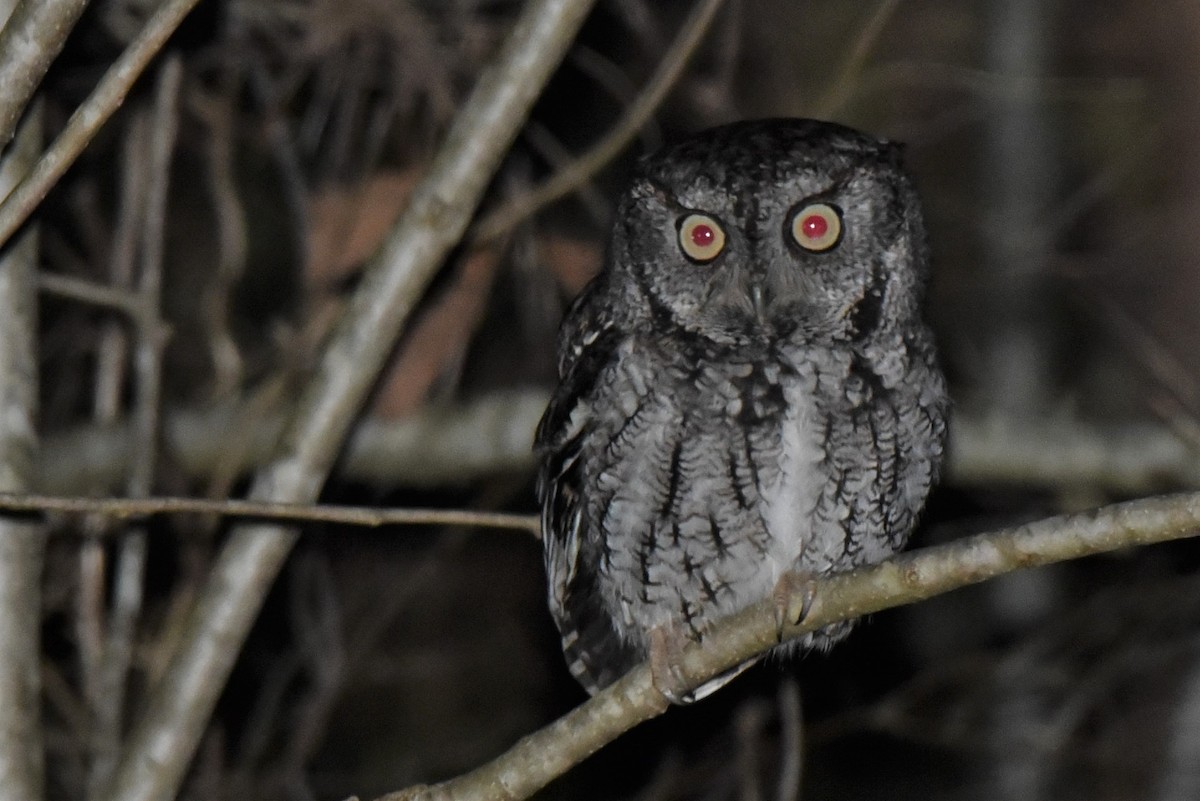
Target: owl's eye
[701, 238]
[817, 227]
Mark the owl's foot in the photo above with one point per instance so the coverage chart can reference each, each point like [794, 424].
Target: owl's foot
[793, 596]
[666, 658]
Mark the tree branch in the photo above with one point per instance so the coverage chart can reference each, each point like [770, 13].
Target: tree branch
[449, 445]
[438, 446]
[544, 755]
[32, 38]
[130, 564]
[105, 99]
[839, 91]
[366, 516]
[163, 744]
[22, 545]
[1135, 458]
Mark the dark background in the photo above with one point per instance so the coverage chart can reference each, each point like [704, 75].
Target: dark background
[1057, 149]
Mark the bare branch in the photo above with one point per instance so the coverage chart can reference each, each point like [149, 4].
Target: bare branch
[540, 757]
[81, 290]
[164, 742]
[101, 737]
[22, 545]
[91, 115]
[129, 575]
[988, 84]
[31, 39]
[367, 516]
[842, 88]
[1129, 459]
[448, 445]
[791, 742]
[437, 446]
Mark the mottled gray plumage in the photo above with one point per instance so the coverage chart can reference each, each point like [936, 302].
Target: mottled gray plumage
[723, 422]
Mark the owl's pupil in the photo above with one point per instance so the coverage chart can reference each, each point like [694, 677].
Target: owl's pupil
[814, 226]
[703, 235]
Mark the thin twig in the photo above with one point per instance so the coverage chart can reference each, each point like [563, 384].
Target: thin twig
[842, 87]
[748, 727]
[546, 754]
[81, 290]
[983, 83]
[543, 142]
[791, 741]
[96, 668]
[580, 171]
[232, 241]
[1171, 373]
[322, 651]
[150, 334]
[163, 743]
[361, 516]
[22, 546]
[129, 574]
[91, 114]
[32, 37]
[611, 78]
[112, 356]
[90, 607]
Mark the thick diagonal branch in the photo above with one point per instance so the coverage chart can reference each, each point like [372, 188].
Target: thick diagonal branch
[163, 744]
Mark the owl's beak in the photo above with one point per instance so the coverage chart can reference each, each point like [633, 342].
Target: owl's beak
[760, 298]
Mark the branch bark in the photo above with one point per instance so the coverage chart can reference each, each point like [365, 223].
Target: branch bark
[105, 99]
[163, 743]
[544, 755]
[438, 446]
[32, 38]
[130, 569]
[449, 445]
[263, 511]
[22, 544]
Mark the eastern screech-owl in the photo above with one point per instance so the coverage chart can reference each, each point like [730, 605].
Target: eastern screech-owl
[748, 390]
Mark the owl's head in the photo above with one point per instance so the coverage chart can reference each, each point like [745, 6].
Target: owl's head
[773, 228]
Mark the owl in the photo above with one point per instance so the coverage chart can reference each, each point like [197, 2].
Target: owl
[748, 392]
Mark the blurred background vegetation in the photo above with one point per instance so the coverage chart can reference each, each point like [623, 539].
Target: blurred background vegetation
[1057, 148]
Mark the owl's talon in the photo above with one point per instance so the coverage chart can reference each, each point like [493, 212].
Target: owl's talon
[666, 657]
[794, 594]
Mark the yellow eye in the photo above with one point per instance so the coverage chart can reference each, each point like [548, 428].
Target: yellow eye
[701, 238]
[817, 227]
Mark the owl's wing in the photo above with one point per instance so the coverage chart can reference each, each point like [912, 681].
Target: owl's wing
[594, 653]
